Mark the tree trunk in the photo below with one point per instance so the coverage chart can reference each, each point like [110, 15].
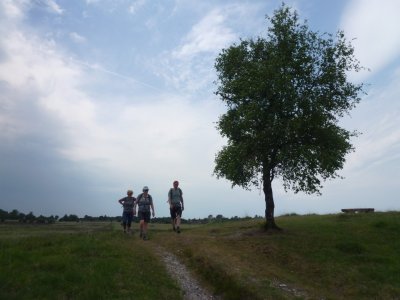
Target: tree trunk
[269, 204]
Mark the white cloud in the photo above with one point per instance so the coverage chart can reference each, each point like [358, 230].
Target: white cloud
[209, 35]
[379, 142]
[36, 65]
[374, 24]
[54, 7]
[13, 9]
[160, 132]
[77, 38]
[189, 67]
[135, 5]
[33, 66]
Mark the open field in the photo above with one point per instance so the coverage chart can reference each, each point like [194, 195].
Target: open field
[315, 257]
[78, 261]
[355, 256]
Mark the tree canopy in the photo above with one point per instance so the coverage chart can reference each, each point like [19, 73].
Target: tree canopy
[285, 94]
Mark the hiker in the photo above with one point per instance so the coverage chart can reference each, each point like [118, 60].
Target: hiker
[129, 211]
[176, 207]
[144, 201]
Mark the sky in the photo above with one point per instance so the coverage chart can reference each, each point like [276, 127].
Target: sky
[101, 96]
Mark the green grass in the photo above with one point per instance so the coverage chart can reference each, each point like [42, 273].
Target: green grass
[79, 261]
[315, 257]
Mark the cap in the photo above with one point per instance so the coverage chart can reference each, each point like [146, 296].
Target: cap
[145, 188]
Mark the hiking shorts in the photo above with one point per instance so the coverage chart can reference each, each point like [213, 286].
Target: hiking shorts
[127, 217]
[175, 211]
[144, 215]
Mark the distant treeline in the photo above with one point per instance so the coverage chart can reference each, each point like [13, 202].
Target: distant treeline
[15, 215]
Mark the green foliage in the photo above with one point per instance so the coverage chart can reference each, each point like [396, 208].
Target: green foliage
[31, 218]
[285, 94]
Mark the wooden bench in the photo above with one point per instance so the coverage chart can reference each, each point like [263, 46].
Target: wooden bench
[357, 210]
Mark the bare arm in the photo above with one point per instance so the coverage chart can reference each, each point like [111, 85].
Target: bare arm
[169, 199]
[134, 207]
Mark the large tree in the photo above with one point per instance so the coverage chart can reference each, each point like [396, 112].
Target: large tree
[285, 94]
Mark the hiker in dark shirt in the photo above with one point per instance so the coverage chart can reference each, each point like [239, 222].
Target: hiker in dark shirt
[128, 204]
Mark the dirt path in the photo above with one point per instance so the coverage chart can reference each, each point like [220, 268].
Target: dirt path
[192, 290]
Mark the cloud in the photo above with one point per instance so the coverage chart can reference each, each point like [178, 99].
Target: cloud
[98, 68]
[55, 83]
[372, 170]
[53, 7]
[136, 5]
[49, 113]
[189, 67]
[374, 25]
[77, 38]
[42, 107]
[379, 143]
[13, 9]
[210, 35]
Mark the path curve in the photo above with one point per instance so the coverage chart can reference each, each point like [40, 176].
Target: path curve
[192, 290]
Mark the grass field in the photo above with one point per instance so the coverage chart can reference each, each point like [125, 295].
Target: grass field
[315, 257]
[79, 261]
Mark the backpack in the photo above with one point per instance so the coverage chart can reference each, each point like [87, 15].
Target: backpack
[170, 192]
[170, 196]
[143, 205]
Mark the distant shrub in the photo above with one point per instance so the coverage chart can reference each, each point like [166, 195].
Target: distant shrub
[290, 215]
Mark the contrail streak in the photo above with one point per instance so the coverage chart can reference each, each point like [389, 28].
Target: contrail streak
[101, 69]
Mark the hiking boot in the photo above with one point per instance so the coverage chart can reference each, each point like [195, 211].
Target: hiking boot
[141, 234]
[178, 230]
[173, 228]
[145, 238]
